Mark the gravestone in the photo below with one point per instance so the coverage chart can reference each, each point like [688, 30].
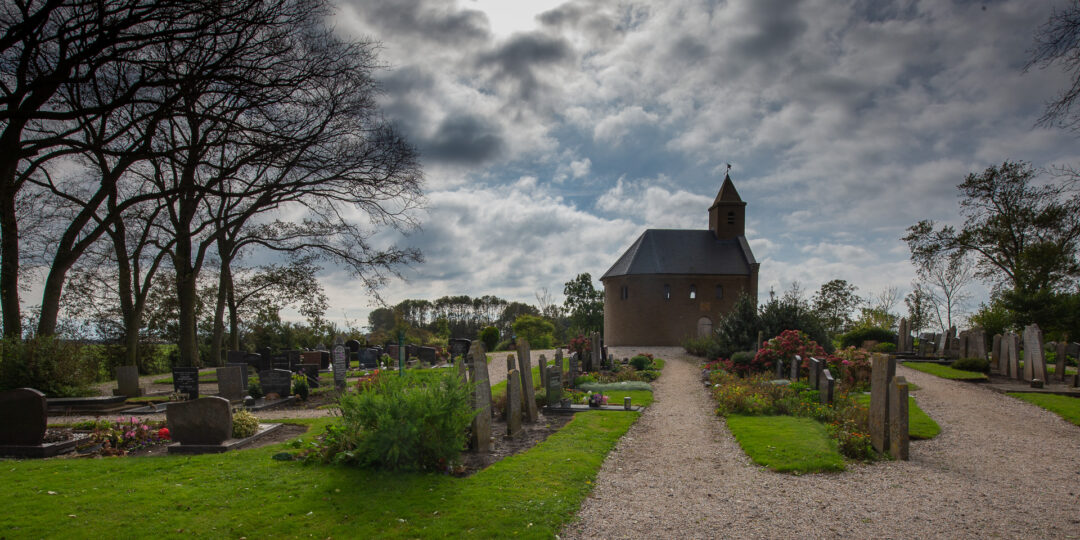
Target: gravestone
[234, 357]
[513, 403]
[962, 340]
[1073, 349]
[352, 345]
[276, 381]
[573, 369]
[186, 381]
[324, 359]
[231, 383]
[779, 368]
[369, 358]
[294, 359]
[280, 361]
[311, 374]
[243, 372]
[796, 363]
[977, 343]
[524, 350]
[899, 439]
[881, 376]
[127, 382]
[511, 362]
[815, 373]
[995, 355]
[828, 386]
[541, 371]
[1034, 361]
[553, 391]
[392, 350]
[258, 361]
[458, 347]
[901, 336]
[23, 411]
[528, 393]
[481, 424]
[311, 358]
[1010, 344]
[340, 360]
[205, 420]
[558, 359]
[427, 355]
[593, 363]
[463, 371]
[1059, 364]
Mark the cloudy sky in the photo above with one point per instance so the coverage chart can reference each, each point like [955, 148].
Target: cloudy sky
[554, 133]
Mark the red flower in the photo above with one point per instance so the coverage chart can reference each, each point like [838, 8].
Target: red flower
[163, 433]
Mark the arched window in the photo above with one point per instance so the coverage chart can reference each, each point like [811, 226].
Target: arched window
[731, 218]
[693, 292]
[667, 292]
[719, 292]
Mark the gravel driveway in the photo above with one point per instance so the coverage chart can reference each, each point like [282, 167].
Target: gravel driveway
[999, 468]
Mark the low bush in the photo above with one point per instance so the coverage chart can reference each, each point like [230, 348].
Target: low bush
[490, 336]
[300, 387]
[244, 424]
[125, 435]
[254, 390]
[706, 347]
[856, 337]
[641, 361]
[977, 365]
[398, 424]
[884, 347]
[53, 366]
[584, 379]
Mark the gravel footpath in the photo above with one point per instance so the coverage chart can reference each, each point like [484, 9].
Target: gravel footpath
[999, 468]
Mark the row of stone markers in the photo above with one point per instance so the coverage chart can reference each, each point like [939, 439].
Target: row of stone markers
[818, 376]
[1005, 358]
[888, 408]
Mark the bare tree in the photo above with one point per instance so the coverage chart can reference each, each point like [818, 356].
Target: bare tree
[943, 281]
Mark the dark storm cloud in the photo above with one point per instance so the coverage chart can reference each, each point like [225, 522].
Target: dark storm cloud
[774, 27]
[399, 20]
[463, 139]
[522, 56]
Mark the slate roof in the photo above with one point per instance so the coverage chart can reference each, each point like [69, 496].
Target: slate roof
[675, 251]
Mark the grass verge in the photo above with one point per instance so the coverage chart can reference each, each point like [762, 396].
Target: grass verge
[920, 425]
[788, 444]
[246, 493]
[1066, 407]
[946, 372]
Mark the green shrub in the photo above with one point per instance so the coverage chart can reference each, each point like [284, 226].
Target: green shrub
[856, 337]
[490, 336]
[641, 362]
[536, 330]
[398, 424]
[504, 345]
[244, 424]
[254, 390]
[584, 379]
[649, 375]
[978, 365]
[300, 387]
[885, 347]
[53, 366]
[612, 387]
[742, 360]
[706, 347]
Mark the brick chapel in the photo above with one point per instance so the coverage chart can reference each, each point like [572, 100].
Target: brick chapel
[671, 284]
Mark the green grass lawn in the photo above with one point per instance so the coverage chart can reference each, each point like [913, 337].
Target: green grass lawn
[920, 425]
[786, 443]
[1066, 407]
[246, 493]
[946, 372]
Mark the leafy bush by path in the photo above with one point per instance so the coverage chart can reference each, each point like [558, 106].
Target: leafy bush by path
[946, 372]
[786, 443]
[1066, 407]
[978, 365]
[490, 336]
[856, 337]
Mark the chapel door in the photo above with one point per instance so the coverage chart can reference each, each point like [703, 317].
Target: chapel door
[704, 327]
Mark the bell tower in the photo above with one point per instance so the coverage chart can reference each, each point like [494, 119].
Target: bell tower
[727, 215]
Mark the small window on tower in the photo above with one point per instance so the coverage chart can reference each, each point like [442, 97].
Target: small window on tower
[719, 292]
[693, 292]
[667, 292]
[624, 293]
[731, 218]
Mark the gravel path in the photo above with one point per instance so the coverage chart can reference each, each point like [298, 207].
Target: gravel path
[999, 468]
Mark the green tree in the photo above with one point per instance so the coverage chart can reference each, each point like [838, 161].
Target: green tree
[584, 303]
[535, 329]
[738, 329]
[833, 305]
[918, 304]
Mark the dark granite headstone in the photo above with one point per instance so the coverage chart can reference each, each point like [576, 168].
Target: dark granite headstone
[186, 381]
[205, 420]
[779, 368]
[458, 347]
[276, 381]
[311, 373]
[235, 357]
[815, 373]
[796, 363]
[22, 411]
[340, 359]
[294, 359]
[427, 355]
[324, 359]
[280, 361]
[353, 345]
[554, 386]
[369, 358]
[826, 386]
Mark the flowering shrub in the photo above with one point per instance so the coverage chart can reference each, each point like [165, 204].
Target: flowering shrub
[367, 381]
[126, 435]
[853, 367]
[785, 347]
[580, 345]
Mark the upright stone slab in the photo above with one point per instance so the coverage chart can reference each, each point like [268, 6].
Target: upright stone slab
[1034, 361]
[231, 383]
[779, 368]
[899, 439]
[1011, 344]
[243, 373]
[796, 363]
[995, 355]
[884, 369]
[962, 340]
[554, 386]
[977, 344]
[596, 353]
[528, 393]
[276, 381]
[463, 370]
[186, 381]
[339, 360]
[572, 374]
[513, 403]
[559, 359]
[511, 362]
[205, 420]
[24, 418]
[127, 382]
[903, 334]
[481, 425]
[814, 372]
[828, 387]
[524, 350]
[427, 355]
[542, 366]
[458, 347]
[311, 358]
[1059, 364]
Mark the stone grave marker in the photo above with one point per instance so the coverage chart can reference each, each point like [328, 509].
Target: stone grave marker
[276, 381]
[294, 359]
[311, 374]
[186, 381]
[593, 363]
[1073, 349]
[554, 386]
[280, 361]
[815, 373]
[779, 368]
[1059, 362]
[511, 362]
[899, 439]
[127, 382]
[427, 355]
[205, 420]
[573, 369]
[23, 411]
[463, 371]
[369, 358]
[977, 343]
[481, 425]
[311, 358]
[258, 361]
[231, 383]
[513, 403]
[558, 359]
[995, 354]
[524, 350]
[902, 336]
[528, 393]
[352, 345]
[796, 363]
[1034, 361]
[828, 387]
[243, 373]
[458, 347]
[881, 376]
[340, 360]
[1010, 344]
[962, 340]
[324, 359]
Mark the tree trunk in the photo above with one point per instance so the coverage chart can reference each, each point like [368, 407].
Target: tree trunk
[224, 277]
[234, 321]
[9, 256]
